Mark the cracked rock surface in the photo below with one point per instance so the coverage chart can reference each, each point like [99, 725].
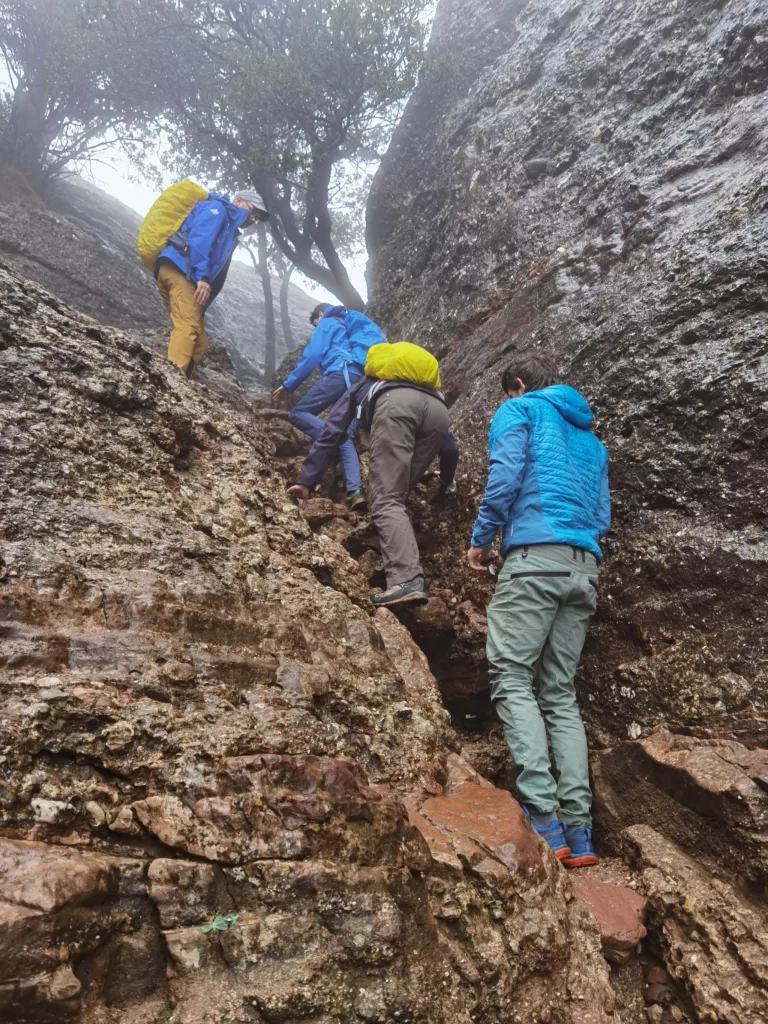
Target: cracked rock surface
[228, 790]
[590, 179]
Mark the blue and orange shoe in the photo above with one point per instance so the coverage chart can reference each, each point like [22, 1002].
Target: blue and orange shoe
[582, 852]
[553, 834]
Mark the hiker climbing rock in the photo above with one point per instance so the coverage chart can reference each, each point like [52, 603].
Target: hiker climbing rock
[339, 346]
[188, 239]
[548, 493]
[399, 402]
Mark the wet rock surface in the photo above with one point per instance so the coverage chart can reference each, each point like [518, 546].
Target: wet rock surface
[82, 247]
[229, 791]
[714, 941]
[591, 181]
[709, 796]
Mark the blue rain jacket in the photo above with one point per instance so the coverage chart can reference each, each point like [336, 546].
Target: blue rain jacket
[548, 478]
[328, 348]
[211, 231]
[362, 331]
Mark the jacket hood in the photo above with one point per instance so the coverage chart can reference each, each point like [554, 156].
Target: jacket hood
[338, 312]
[569, 403]
[235, 213]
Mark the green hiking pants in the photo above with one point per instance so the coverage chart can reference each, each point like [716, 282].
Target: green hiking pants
[537, 624]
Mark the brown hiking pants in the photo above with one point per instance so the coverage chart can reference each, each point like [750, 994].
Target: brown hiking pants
[189, 342]
[409, 427]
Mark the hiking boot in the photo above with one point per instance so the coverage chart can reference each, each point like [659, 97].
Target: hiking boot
[579, 839]
[404, 593]
[553, 834]
[356, 502]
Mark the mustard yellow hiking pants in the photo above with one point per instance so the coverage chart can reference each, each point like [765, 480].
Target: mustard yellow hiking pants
[189, 342]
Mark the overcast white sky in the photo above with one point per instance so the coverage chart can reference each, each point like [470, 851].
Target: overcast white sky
[113, 173]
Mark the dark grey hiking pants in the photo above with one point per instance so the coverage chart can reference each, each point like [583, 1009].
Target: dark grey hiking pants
[409, 427]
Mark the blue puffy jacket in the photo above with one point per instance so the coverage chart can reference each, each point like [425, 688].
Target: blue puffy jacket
[548, 479]
[328, 348]
[211, 231]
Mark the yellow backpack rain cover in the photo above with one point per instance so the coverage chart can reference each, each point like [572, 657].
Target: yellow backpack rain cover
[402, 360]
[166, 215]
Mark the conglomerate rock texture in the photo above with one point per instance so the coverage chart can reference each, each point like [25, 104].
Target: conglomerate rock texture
[228, 791]
[589, 179]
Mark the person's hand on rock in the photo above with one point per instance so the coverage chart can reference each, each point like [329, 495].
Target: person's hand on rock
[476, 557]
[277, 393]
[299, 491]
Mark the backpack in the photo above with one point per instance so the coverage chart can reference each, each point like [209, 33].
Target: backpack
[165, 217]
[403, 361]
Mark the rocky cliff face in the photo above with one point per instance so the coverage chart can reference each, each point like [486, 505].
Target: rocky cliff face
[82, 247]
[228, 791]
[589, 179]
[592, 182]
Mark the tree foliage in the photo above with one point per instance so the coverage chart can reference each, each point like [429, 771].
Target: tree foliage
[281, 93]
[67, 84]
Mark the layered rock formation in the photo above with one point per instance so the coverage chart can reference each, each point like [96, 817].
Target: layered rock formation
[227, 791]
[82, 247]
[588, 179]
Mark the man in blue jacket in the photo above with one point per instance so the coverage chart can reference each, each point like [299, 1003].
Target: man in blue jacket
[339, 346]
[192, 268]
[548, 493]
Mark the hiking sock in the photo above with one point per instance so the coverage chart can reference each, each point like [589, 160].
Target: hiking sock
[543, 819]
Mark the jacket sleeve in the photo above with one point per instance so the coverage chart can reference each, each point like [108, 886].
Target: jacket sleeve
[449, 459]
[505, 478]
[334, 433]
[322, 338]
[603, 510]
[202, 229]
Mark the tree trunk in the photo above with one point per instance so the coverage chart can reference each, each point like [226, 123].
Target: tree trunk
[285, 272]
[269, 306]
[296, 242]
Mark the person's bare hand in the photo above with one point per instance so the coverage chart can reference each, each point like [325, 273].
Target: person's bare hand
[202, 292]
[277, 392]
[299, 491]
[476, 557]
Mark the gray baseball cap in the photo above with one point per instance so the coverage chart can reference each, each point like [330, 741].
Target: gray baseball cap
[252, 196]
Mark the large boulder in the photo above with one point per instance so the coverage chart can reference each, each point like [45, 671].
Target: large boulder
[589, 179]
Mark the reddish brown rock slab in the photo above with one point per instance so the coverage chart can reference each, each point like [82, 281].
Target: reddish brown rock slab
[50, 878]
[445, 847]
[321, 510]
[618, 910]
[489, 819]
[706, 794]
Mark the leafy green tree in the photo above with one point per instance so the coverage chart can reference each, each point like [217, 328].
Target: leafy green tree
[68, 84]
[279, 94]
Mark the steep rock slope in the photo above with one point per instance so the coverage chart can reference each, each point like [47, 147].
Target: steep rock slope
[209, 742]
[83, 248]
[590, 179]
